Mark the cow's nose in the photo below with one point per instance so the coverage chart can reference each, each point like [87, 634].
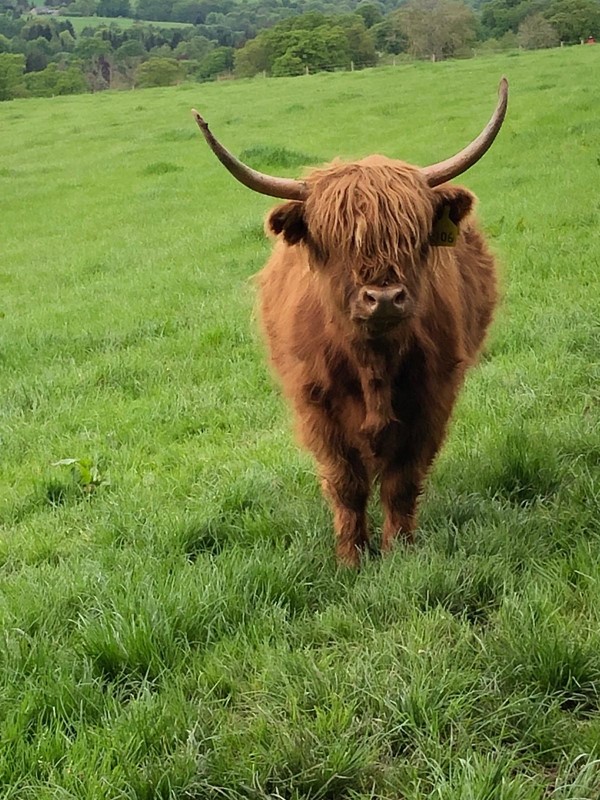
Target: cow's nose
[384, 301]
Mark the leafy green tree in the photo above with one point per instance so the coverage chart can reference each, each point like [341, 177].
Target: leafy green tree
[11, 26]
[315, 41]
[12, 67]
[127, 57]
[37, 30]
[361, 43]
[153, 9]
[370, 13]
[161, 51]
[96, 54]
[574, 20]
[131, 49]
[4, 44]
[254, 57]
[389, 35]
[507, 42]
[195, 48]
[220, 33]
[158, 72]
[16, 7]
[500, 16]
[92, 47]
[217, 62]
[205, 7]
[114, 8]
[323, 48]
[215, 18]
[438, 28]
[37, 54]
[84, 8]
[54, 81]
[288, 65]
[70, 81]
[536, 32]
[67, 42]
[65, 25]
[187, 11]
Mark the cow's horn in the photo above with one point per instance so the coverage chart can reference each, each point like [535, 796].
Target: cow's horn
[284, 188]
[451, 167]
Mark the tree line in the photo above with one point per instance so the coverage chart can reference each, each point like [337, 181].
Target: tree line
[42, 55]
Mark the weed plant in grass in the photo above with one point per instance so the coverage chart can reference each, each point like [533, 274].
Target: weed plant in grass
[173, 623]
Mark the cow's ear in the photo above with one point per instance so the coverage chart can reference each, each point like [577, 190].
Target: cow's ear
[458, 200]
[288, 219]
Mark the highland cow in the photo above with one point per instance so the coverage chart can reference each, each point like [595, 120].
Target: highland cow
[374, 303]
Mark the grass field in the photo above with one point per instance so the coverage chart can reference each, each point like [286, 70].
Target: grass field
[173, 621]
[79, 23]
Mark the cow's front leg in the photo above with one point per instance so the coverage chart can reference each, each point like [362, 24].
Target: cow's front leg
[400, 491]
[345, 483]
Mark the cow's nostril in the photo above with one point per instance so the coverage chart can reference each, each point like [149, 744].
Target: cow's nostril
[400, 297]
[370, 299]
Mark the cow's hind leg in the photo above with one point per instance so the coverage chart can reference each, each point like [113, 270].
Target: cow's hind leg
[345, 483]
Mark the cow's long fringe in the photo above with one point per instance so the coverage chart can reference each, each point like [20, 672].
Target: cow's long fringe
[372, 214]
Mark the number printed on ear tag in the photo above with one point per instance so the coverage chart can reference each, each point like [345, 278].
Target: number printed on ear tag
[444, 232]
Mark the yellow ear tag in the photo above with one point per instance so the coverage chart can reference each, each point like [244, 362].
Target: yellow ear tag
[444, 232]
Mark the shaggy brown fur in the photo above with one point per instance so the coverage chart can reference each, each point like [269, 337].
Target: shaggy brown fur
[374, 402]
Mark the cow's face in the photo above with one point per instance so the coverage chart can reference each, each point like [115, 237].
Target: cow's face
[367, 230]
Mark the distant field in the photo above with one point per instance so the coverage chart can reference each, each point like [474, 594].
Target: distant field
[174, 625]
[79, 23]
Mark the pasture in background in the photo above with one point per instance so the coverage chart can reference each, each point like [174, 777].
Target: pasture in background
[174, 622]
[80, 23]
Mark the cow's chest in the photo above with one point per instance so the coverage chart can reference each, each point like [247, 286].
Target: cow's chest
[377, 404]
[371, 423]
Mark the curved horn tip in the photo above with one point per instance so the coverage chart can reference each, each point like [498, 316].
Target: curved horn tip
[199, 118]
[503, 85]
[283, 188]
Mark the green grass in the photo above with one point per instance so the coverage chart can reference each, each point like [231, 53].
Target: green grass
[174, 624]
[79, 23]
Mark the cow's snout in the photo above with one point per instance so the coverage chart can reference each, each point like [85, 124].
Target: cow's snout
[388, 302]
